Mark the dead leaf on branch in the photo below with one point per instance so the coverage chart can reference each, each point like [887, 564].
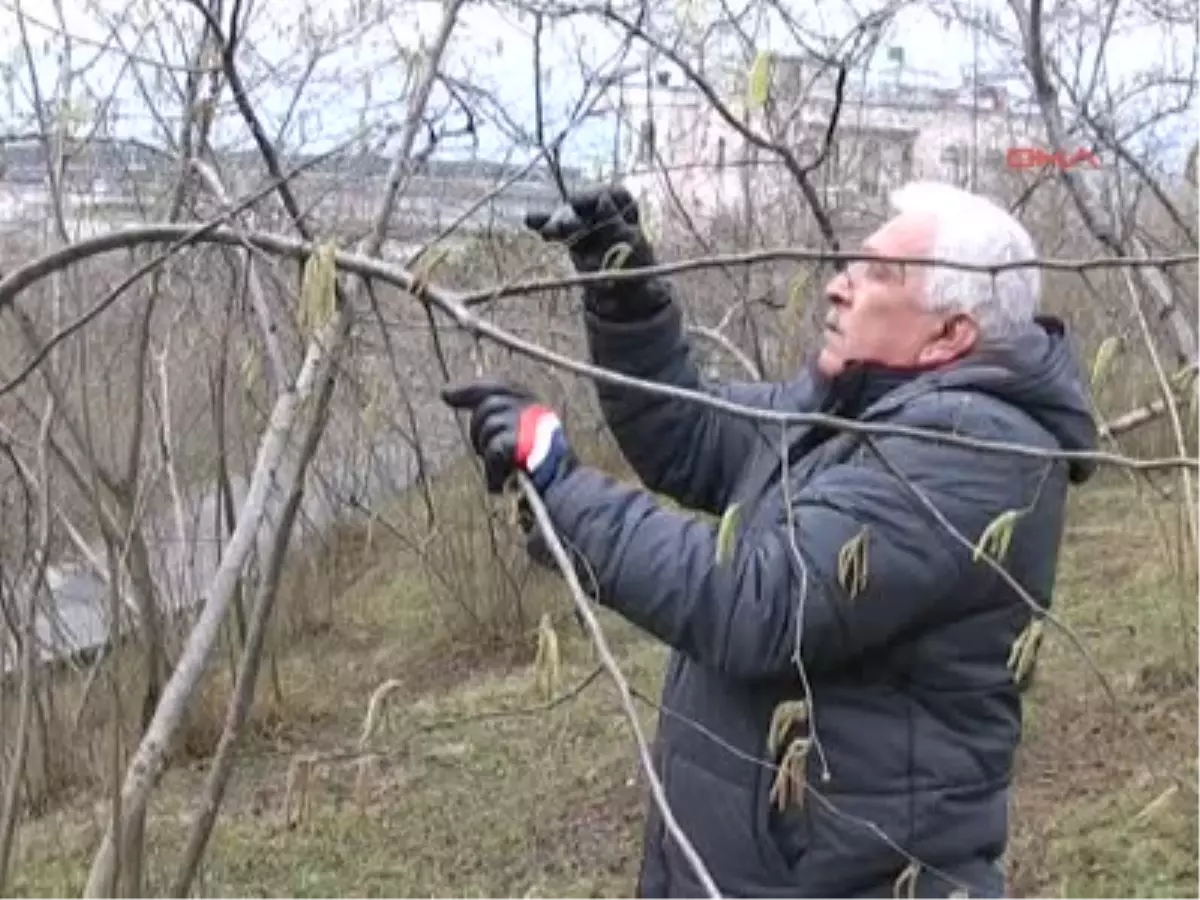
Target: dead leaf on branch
[791, 778]
[690, 14]
[251, 370]
[547, 664]
[759, 81]
[852, 564]
[727, 532]
[997, 537]
[788, 714]
[425, 267]
[1105, 354]
[906, 882]
[1184, 378]
[796, 288]
[615, 256]
[318, 295]
[297, 794]
[375, 706]
[1023, 655]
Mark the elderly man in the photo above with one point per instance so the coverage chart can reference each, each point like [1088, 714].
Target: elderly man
[910, 717]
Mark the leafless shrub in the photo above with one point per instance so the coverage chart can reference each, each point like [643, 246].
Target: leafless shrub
[214, 507]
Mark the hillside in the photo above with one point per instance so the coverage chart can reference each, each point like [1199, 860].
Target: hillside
[479, 787]
[262, 632]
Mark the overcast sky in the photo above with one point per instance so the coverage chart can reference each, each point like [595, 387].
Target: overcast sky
[492, 50]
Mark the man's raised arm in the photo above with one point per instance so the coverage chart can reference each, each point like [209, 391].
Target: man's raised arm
[688, 451]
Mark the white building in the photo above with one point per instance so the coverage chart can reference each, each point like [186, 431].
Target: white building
[681, 154]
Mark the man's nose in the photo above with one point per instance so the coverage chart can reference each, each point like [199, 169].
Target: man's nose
[838, 289]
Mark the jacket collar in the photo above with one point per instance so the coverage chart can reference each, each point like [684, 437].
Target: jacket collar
[860, 385]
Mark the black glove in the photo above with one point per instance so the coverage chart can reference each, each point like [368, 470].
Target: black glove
[511, 431]
[593, 225]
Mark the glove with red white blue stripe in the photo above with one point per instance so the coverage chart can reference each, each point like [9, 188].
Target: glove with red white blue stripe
[511, 430]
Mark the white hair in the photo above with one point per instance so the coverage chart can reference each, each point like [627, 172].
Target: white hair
[974, 230]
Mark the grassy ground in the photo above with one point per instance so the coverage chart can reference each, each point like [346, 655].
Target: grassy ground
[477, 790]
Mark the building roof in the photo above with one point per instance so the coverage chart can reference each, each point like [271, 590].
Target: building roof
[23, 159]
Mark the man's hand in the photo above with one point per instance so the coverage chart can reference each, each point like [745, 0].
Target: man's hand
[601, 229]
[592, 224]
[511, 431]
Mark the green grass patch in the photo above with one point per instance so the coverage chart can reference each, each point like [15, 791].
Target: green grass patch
[477, 789]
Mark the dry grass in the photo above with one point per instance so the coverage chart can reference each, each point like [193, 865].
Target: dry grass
[1087, 823]
[548, 803]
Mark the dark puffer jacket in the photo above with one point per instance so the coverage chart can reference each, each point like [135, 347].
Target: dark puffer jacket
[914, 718]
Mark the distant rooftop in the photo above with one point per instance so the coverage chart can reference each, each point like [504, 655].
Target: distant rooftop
[902, 85]
[23, 161]
[481, 169]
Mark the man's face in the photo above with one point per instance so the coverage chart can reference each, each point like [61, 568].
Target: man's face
[876, 313]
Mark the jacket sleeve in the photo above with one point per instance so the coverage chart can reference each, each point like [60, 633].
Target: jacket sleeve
[780, 585]
[691, 453]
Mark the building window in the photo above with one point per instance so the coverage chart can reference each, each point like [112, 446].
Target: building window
[869, 175]
[810, 146]
[720, 154]
[645, 152]
[953, 160]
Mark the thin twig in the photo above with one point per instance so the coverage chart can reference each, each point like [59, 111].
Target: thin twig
[451, 303]
[610, 664]
[807, 254]
[185, 236]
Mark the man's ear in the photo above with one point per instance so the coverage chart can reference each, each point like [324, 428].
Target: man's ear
[957, 336]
